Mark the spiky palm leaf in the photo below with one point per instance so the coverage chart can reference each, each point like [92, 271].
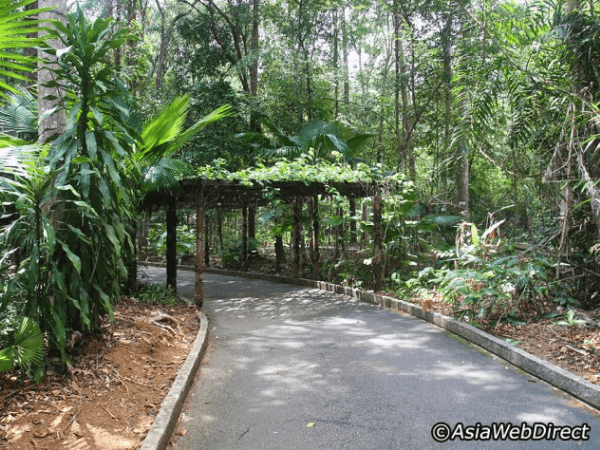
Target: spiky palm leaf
[14, 36]
[27, 347]
[162, 136]
[324, 138]
[19, 115]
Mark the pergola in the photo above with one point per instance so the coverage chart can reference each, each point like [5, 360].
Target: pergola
[203, 194]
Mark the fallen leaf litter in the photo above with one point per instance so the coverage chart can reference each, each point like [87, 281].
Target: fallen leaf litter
[112, 394]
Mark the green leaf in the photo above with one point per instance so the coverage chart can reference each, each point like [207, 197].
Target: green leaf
[81, 160]
[75, 260]
[67, 187]
[49, 234]
[110, 233]
[104, 189]
[474, 234]
[310, 424]
[7, 359]
[29, 343]
[92, 147]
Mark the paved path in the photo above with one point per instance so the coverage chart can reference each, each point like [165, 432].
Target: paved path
[283, 357]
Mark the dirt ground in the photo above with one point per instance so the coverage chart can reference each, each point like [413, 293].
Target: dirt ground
[114, 391]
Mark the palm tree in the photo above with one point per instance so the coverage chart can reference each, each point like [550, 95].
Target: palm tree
[324, 141]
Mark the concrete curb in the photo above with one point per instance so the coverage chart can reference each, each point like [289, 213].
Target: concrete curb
[170, 408]
[552, 374]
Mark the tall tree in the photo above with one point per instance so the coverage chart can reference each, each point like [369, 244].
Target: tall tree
[53, 119]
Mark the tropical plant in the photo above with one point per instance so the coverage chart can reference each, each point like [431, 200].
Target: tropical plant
[156, 293]
[569, 320]
[16, 34]
[72, 199]
[18, 117]
[324, 139]
[26, 349]
[161, 137]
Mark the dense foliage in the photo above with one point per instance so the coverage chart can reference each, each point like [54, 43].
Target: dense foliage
[70, 204]
[484, 114]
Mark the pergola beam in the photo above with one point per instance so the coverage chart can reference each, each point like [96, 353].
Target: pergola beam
[204, 194]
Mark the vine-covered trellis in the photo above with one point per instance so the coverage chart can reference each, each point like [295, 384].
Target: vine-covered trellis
[288, 181]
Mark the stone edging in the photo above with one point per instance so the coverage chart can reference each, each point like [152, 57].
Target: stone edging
[170, 408]
[552, 374]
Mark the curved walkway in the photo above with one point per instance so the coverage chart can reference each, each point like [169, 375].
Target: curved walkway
[298, 368]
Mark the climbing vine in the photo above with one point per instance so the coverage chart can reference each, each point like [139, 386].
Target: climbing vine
[306, 170]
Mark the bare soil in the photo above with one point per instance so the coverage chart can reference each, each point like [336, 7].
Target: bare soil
[110, 397]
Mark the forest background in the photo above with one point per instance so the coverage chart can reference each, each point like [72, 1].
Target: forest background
[487, 109]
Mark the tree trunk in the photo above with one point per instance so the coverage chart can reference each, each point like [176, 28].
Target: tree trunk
[447, 63]
[461, 201]
[336, 66]
[397, 79]
[279, 252]
[165, 41]
[346, 72]
[143, 231]
[55, 123]
[253, 71]
[365, 217]
[207, 227]
[309, 94]
[251, 222]
[220, 228]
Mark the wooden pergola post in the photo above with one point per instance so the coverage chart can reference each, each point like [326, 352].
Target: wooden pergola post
[296, 213]
[199, 287]
[316, 257]
[244, 233]
[377, 242]
[172, 243]
[353, 236]
[209, 232]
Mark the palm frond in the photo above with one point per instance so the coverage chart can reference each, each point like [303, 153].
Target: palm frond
[15, 34]
[164, 134]
[166, 172]
[19, 115]
[27, 348]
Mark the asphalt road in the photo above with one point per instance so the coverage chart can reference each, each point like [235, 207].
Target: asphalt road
[296, 368]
